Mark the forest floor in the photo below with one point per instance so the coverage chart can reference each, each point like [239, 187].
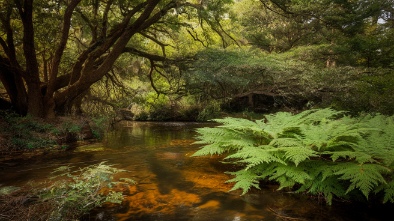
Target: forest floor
[26, 138]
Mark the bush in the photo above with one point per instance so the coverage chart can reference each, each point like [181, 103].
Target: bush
[98, 127]
[70, 195]
[28, 133]
[322, 152]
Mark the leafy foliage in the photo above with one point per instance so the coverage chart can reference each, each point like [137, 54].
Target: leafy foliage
[320, 151]
[67, 195]
[25, 132]
[30, 133]
[77, 192]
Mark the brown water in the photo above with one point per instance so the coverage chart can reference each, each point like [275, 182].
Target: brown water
[171, 185]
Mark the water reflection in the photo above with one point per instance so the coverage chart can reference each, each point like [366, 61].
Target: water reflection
[171, 185]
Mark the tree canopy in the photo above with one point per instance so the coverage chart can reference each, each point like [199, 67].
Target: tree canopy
[53, 51]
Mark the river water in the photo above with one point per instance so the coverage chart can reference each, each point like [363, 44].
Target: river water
[172, 185]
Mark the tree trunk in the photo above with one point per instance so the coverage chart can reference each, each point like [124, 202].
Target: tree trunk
[35, 105]
[13, 83]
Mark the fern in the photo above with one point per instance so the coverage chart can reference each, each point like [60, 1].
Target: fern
[362, 176]
[389, 192]
[379, 143]
[289, 176]
[320, 151]
[331, 135]
[328, 188]
[299, 154]
[253, 156]
[359, 157]
[244, 179]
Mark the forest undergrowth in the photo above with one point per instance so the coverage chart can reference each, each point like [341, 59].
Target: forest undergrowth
[322, 152]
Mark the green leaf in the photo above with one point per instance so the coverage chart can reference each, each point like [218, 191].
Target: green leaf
[252, 156]
[244, 179]
[288, 176]
[362, 176]
[298, 154]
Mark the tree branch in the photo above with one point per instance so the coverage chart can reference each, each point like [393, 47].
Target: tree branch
[145, 54]
[161, 44]
[61, 47]
[152, 67]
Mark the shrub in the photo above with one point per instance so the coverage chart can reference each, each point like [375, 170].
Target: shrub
[26, 132]
[76, 193]
[70, 195]
[321, 151]
[99, 126]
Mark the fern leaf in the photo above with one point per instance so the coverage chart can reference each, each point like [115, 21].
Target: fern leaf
[360, 157]
[389, 192]
[285, 142]
[244, 127]
[298, 154]
[211, 149]
[362, 176]
[317, 115]
[288, 176]
[212, 135]
[252, 156]
[231, 122]
[275, 125]
[244, 179]
[380, 142]
[329, 188]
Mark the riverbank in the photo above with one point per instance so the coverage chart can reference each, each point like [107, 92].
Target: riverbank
[25, 137]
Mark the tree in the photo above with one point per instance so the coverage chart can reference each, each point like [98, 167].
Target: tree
[355, 33]
[83, 40]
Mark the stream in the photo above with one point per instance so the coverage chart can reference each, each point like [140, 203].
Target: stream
[172, 185]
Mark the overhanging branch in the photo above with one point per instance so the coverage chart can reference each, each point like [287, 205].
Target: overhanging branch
[152, 57]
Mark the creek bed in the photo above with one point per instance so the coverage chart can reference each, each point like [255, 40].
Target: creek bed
[172, 185]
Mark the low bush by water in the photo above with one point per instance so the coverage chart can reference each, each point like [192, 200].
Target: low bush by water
[67, 195]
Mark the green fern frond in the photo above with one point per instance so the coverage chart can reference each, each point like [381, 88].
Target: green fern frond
[317, 115]
[359, 157]
[211, 135]
[329, 188]
[211, 149]
[252, 156]
[285, 142]
[237, 123]
[298, 154]
[276, 125]
[288, 176]
[380, 142]
[389, 192]
[323, 181]
[362, 176]
[244, 179]
[331, 135]
[245, 127]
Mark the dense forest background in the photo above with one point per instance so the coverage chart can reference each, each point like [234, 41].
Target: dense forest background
[191, 60]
